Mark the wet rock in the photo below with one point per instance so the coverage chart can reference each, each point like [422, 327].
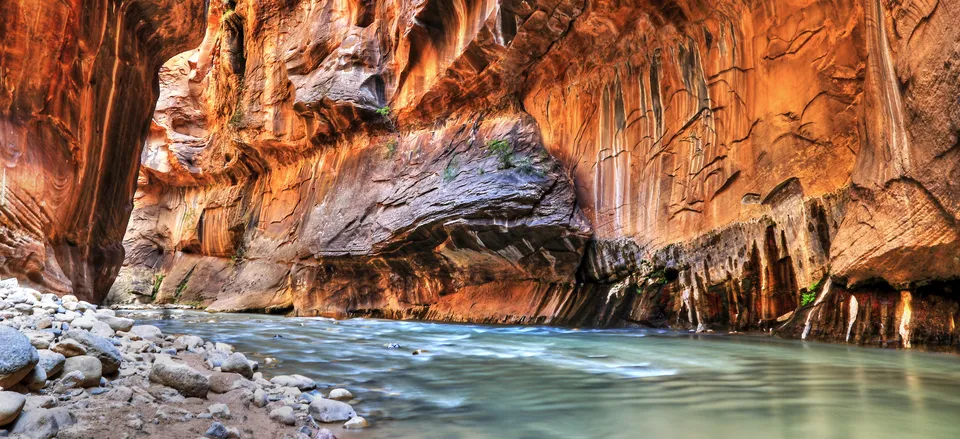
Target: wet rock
[51, 362]
[327, 411]
[69, 348]
[89, 366]
[99, 347]
[11, 403]
[17, 356]
[340, 395]
[356, 422]
[283, 415]
[42, 423]
[299, 381]
[183, 378]
[237, 363]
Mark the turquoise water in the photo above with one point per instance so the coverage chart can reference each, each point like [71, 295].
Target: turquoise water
[477, 381]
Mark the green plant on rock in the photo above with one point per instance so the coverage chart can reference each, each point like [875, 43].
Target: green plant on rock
[237, 118]
[452, 170]
[384, 111]
[503, 151]
[157, 280]
[808, 297]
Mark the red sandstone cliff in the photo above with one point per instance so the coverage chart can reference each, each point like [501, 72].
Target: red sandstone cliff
[668, 163]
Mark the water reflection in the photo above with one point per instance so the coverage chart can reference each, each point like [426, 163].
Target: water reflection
[473, 381]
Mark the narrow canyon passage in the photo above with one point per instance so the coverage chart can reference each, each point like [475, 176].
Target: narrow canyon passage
[668, 181]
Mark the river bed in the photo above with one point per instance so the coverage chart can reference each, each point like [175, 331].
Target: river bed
[523, 382]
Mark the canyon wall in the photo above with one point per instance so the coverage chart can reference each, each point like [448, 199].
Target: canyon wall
[77, 88]
[711, 165]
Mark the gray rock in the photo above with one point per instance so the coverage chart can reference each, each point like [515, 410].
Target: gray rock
[223, 347]
[42, 423]
[36, 379]
[69, 381]
[40, 339]
[69, 347]
[118, 323]
[216, 358]
[90, 367]
[185, 379]
[324, 434]
[260, 398]
[299, 381]
[219, 411]
[216, 431]
[11, 403]
[120, 394]
[328, 410]
[147, 332]
[51, 362]
[40, 401]
[102, 329]
[187, 342]
[99, 347]
[237, 363]
[283, 415]
[17, 356]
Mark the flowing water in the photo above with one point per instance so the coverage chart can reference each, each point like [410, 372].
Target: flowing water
[477, 381]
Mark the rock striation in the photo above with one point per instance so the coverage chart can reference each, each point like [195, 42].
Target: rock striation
[711, 165]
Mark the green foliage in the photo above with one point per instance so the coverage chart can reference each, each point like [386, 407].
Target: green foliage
[237, 118]
[452, 170]
[188, 215]
[503, 151]
[384, 111]
[809, 296]
[390, 149]
[157, 280]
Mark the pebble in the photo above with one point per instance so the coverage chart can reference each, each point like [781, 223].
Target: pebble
[340, 395]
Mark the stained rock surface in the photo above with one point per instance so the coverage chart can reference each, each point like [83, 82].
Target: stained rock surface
[711, 165]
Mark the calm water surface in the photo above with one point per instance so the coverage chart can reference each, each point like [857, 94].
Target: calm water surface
[479, 381]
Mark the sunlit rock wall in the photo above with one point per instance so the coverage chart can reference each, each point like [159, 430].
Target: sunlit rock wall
[77, 88]
[697, 165]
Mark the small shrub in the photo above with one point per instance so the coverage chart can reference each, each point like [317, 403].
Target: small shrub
[808, 297]
[525, 165]
[390, 149]
[503, 151]
[237, 118]
[384, 111]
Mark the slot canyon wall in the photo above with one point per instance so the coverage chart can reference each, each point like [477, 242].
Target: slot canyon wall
[77, 88]
[708, 165]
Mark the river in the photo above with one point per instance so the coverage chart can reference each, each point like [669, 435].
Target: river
[479, 381]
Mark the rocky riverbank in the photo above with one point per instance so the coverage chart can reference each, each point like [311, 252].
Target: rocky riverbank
[69, 369]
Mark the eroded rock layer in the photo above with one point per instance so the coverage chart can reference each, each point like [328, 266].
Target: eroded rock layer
[77, 88]
[706, 165]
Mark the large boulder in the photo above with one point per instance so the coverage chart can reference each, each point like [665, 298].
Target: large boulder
[186, 380]
[11, 403]
[327, 410]
[88, 365]
[17, 356]
[99, 347]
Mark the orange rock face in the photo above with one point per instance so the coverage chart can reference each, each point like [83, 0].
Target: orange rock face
[76, 90]
[701, 165]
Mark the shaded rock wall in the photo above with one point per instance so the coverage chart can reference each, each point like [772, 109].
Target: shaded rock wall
[674, 163]
[77, 88]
